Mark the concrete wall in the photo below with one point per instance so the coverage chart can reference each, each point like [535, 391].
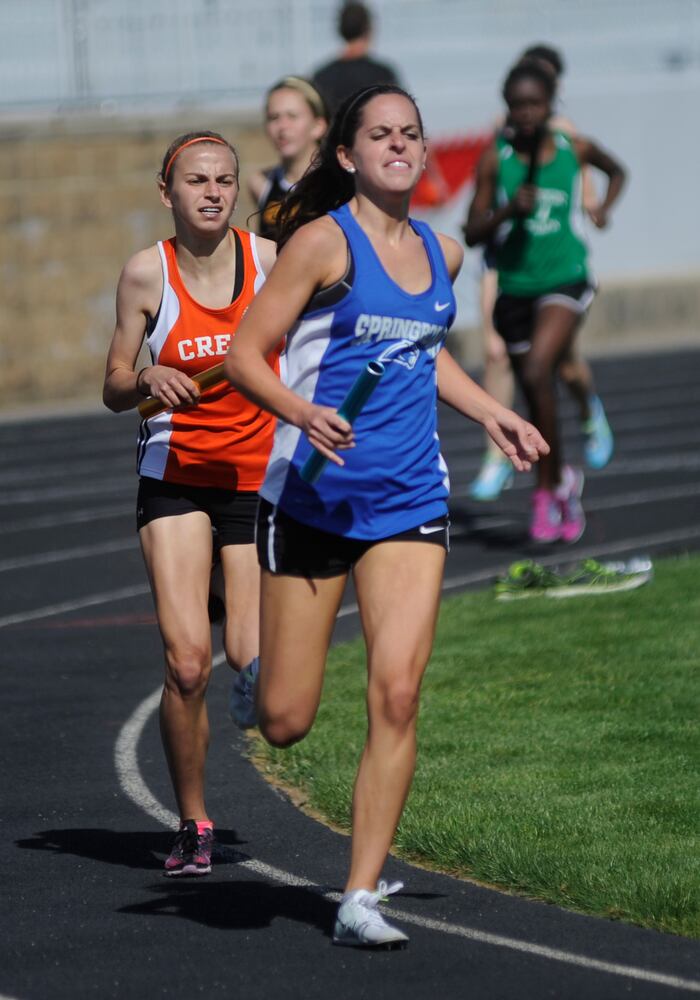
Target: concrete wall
[78, 197]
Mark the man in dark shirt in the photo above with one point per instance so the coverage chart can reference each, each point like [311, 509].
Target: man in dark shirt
[354, 68]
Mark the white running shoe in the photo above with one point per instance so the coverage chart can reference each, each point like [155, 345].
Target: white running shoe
[359, 923]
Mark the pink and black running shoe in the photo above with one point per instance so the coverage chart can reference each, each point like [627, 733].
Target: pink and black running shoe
[191, 851]
[573, 520]
[545, 522]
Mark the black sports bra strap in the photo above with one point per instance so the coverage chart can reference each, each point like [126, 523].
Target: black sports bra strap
[325, 298]
[240, 266]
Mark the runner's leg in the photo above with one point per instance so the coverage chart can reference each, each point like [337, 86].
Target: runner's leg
[177, 551]
[495, 472]
[242, 597]
[552, 335]
[398, 589]
[296, 624]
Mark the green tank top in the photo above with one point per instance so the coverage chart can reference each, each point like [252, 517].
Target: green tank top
[537, 254]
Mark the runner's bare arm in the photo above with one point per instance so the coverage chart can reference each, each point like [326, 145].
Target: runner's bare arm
[257, 183]
[519, 440]
[138, 297]
[453, 253]
[589, 194]
[315, 257]
[267, 253]
[483, 219]
[589, 152]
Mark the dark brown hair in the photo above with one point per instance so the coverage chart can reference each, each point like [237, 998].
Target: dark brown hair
[325, 185]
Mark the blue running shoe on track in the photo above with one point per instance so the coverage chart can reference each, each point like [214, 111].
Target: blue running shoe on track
[495, 475]
[598, 448]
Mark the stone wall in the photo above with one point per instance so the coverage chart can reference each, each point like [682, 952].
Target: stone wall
[76, 200]
[77, 197]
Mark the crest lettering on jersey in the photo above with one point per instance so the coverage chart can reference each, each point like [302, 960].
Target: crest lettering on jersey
[204, 347]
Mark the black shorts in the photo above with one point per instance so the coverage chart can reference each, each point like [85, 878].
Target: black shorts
[232, 513]
[514, 315]
[289, 548]
[489, 257]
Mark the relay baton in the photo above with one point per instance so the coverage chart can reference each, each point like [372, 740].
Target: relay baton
[205, 380]
[362, 388]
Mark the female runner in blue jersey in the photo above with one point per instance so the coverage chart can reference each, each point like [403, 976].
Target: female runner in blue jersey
[357, 281]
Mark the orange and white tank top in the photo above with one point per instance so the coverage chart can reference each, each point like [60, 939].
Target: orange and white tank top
[225, 440]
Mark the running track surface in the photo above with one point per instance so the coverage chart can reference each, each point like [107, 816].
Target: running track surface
[87, 805]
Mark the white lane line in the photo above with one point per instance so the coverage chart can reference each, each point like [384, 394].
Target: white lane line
[60, 467]
[112, 487]
[670, 461]
[449, 583]
[489, 524]
[637, 497]
[85, 516]
[65, 555]
[555, 954]
[681, 461]
[49, 610]
[135, 788]
[597, 503]
[83, 602]
[486, 523]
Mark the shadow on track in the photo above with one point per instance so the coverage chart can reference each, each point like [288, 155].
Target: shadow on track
[135, 849]
[236, 905]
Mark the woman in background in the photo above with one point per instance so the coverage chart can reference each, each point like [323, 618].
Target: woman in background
[544, 282]
[495, 473]
[295, 121]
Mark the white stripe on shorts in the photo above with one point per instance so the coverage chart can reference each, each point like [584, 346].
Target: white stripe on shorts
[271, 540]
[576, 305]
[519, 347]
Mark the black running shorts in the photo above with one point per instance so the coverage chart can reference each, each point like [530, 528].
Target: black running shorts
[289, 548]
[232, 513]
[514, 315]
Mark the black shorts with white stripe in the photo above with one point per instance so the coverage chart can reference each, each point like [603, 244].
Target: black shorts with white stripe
[232, 512]
[289, 548]
[514, 315]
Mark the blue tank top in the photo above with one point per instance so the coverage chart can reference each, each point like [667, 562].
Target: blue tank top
[394, 478]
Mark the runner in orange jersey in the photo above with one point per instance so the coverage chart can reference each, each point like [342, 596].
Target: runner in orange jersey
[200, 462]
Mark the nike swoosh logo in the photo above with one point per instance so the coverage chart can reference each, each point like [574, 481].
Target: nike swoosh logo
[439, 306]
[429, 529]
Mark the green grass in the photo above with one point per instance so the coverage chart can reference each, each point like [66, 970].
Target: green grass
[558, 751]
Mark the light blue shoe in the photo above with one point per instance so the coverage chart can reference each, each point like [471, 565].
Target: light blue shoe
[599, 439]
[241, 704]
[495, 475]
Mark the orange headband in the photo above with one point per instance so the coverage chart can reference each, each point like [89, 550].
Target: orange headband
[200, 138]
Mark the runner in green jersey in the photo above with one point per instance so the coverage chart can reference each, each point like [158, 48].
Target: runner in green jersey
[527, 199]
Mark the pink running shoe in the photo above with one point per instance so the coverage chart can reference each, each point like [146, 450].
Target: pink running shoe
[573, 520]
[191, 852]
[545, 524]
